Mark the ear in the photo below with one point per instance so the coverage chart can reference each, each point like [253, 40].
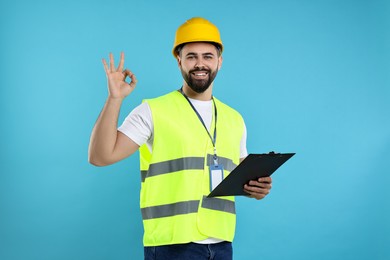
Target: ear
[220, 60]
[178, 61]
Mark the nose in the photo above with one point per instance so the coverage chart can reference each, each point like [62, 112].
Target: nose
[199, 65]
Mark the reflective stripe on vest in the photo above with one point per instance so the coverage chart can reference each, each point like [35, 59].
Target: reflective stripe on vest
[187, 163]
[219, 204]
[227, 163]
[187, 207]
[169, 210]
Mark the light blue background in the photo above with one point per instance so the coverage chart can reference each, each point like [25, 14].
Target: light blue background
[310, 77]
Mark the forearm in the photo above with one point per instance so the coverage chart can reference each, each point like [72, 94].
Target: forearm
[104, 134]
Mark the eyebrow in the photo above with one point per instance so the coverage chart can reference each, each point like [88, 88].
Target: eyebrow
[196, 54]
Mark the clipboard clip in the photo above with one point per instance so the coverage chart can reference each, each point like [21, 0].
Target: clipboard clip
[272, 153]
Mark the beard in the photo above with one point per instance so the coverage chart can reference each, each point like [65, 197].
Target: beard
[199, 85]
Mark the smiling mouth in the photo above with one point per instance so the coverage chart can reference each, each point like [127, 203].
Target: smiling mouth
[199, 74]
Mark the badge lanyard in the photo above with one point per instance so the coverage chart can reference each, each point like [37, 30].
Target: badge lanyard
[216, 170]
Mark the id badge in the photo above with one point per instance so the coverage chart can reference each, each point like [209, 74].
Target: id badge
[216, 175]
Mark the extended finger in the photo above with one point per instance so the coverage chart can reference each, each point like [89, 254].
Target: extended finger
[105, 65]
[121, 62]
[112, 66]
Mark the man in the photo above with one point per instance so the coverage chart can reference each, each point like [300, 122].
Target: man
[188, 141]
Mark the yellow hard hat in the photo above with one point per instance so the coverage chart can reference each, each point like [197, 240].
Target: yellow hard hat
[196, 29]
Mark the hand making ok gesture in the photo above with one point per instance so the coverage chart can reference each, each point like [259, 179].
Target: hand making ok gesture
[116, 78]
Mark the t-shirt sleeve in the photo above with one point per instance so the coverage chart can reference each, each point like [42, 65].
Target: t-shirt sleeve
[243, 150]
[138, 125]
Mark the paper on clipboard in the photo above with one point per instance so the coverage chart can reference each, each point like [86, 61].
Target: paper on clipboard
[252, 167]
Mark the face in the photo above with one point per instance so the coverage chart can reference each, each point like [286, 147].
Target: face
[199, 64]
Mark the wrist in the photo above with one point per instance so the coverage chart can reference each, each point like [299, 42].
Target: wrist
[114, 100]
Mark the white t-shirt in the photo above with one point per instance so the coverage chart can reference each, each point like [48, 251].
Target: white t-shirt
[138, 126]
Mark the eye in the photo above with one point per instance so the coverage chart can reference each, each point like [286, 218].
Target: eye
[208, 57]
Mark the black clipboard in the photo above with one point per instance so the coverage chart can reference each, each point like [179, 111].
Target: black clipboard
[252, 167]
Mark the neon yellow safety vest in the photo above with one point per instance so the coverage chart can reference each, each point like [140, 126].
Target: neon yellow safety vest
[175, 176]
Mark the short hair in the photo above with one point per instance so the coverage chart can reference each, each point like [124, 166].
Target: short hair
[179, 48]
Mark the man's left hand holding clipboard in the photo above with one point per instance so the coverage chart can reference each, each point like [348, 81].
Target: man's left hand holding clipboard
[259, 188]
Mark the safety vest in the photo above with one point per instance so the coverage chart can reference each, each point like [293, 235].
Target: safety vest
[175, 176]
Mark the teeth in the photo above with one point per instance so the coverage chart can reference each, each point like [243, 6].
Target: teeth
[200, 74]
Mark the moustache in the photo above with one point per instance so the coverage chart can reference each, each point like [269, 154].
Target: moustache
[198, 69]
